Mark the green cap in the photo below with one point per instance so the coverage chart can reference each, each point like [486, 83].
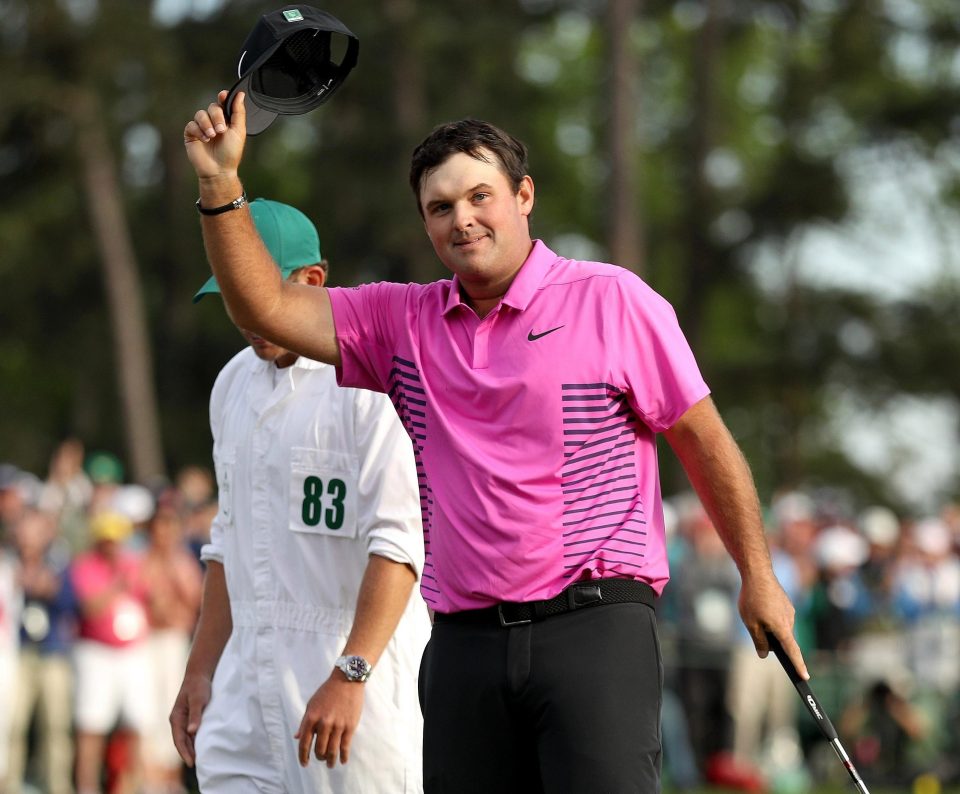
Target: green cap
[104, 467]
[288, 234]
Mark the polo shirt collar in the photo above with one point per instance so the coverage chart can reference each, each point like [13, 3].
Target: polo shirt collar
[525, 284]
[453, 297]
[530, 276]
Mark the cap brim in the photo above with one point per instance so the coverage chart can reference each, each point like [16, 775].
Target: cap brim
[315, 76]
[258, 119]
[211, 286]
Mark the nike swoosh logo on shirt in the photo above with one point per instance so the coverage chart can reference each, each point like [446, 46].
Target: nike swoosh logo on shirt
[532, 337]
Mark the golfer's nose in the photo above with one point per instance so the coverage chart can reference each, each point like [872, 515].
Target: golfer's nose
[462, 215]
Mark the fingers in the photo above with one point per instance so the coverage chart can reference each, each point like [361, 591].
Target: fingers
[331, 750]
[308, 728]
[184, 745]
[332, 742]
[345, 740]
[185, 722]
[329, 721]
[207, 123]
[325, 747]
[238, 113]
[769, 617]
[182, 738]
[793, 653]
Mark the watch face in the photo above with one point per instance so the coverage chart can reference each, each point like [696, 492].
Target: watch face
[356, 667]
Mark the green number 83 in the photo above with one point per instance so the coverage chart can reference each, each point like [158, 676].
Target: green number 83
[312, 510]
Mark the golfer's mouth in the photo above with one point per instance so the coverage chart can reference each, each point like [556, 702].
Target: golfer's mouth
[469, 243]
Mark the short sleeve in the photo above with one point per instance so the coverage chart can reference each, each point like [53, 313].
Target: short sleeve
[370, 320]
[661, 369]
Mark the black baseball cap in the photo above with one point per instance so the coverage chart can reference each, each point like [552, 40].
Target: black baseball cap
[286, 65]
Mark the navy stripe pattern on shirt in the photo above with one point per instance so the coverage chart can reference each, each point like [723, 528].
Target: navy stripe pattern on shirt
[407, 394]
[603, 519]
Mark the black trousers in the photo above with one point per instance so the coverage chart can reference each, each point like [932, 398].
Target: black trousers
[566, 705]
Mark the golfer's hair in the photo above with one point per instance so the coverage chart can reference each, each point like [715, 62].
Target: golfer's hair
[472, 137]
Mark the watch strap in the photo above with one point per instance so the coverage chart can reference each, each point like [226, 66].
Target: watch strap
[237, 203]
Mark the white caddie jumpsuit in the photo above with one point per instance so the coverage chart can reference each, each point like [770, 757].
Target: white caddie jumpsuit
[312, 479]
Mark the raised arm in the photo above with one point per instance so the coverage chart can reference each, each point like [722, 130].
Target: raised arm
[294, 316]
[722, 479]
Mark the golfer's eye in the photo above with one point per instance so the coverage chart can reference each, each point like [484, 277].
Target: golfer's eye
[439, 209]
[481, 196]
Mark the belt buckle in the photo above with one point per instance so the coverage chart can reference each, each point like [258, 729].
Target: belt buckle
[508, 623]
[583, 595]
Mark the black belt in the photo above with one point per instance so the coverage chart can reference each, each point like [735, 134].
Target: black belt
[576, 596]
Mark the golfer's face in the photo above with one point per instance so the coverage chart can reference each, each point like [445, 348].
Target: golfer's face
[476, 222]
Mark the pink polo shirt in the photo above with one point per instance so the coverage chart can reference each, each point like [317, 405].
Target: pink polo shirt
[123, 621]
[533, 428]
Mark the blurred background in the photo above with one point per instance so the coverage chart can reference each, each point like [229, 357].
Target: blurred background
[786, 173]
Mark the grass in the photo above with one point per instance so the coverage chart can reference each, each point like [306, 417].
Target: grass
[827, 789]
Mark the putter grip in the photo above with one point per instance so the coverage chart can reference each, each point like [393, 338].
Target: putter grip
[806, 694]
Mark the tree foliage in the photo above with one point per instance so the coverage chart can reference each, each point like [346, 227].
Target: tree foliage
[742, 117]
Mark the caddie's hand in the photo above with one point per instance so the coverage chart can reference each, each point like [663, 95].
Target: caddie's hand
[187, 711]
[215, 146]
[764, 606]
[332, 715]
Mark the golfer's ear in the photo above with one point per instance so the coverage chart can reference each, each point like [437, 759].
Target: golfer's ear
[525, 195]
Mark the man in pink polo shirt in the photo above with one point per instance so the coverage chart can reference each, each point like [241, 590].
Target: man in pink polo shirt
[111, 656]
[533, 387]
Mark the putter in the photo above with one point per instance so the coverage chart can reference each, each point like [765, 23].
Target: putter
[816, 711]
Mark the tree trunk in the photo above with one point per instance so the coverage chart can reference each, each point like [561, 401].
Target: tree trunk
[699, 253]
[133, 355]
[625, 231]
[409, 108]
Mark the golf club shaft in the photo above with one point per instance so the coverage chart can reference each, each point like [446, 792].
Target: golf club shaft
[845, 760]
[816, 711]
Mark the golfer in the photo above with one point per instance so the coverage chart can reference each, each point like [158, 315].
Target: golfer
[533, 387]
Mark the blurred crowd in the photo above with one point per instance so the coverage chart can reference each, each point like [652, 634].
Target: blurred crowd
[877, 600]
[100, 587]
